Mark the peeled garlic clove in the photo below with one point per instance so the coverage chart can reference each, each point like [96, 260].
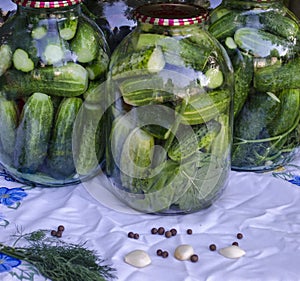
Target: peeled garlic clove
[137, 258]
[183, 252]
[232, 252]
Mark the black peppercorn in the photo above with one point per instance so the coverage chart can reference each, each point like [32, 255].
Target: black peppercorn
[61, 228]
[165, 254]
[239, 236]
[159, 252]
[161, 230]
[154, 230]
[194, 258]
[212, 247]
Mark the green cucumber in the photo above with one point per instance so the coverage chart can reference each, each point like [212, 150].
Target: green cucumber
[266, 134]
[214, 78]
[279, 24]
[92, 92]
[221, 144]
[205, 106]
[188, 53]
[22, 61]
[121, 128]
[67, 27]
[179, 52]
[251, 122]
[145, 90]
[39, 32]
[146, 61]
[97, 68]
[218, 13]
[68, 80]
[190, 140]
[243, 74]
[60, 156]
[5, 58]
[260, 43]
[33, 133]
[9, 122]
[148, 39]
[39, 27]
[54, 53]
[157, 120]
[88, 139]
[230, 44]
[227, 25]
[288, 113]
[136, 155]
[275, 78]
[85, 44]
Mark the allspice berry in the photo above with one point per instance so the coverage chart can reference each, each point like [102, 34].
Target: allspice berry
[212, 247]
[161, 230]
[194, 258]
[61, 228]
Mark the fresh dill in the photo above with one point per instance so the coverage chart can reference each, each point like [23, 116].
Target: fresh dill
[59, 260]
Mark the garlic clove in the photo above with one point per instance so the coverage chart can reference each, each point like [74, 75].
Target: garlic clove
[137, 258]
[183, 252]
[232, 252]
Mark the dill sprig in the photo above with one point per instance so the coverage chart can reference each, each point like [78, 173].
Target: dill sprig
[61, 261]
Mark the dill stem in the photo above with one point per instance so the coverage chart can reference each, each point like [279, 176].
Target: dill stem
[13, 252]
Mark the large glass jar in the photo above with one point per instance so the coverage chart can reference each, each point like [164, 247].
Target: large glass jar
[51, 58]
[116, 19]
[170, 84]
[262, 40]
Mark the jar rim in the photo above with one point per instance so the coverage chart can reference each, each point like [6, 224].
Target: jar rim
[47, 4]
[171, 14]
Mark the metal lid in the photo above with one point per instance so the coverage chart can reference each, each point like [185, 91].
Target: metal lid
[47, 4]
[171, 14]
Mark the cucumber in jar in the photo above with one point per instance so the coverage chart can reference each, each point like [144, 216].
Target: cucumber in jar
[33, 133]
[9, 116]
[68, 80]
[59, 160]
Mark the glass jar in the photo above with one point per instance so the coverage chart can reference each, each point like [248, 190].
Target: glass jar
[262, 40]
[115, 17]
[170, 84]
[51, 59]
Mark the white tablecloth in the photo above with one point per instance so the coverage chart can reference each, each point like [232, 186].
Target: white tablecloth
[264, 207]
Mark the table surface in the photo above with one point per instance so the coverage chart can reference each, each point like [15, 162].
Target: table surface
[264, 207]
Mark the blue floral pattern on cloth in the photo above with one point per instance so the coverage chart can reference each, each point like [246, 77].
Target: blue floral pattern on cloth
[11, 196]
[6, 176]
[7, 263]
[290, 173]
